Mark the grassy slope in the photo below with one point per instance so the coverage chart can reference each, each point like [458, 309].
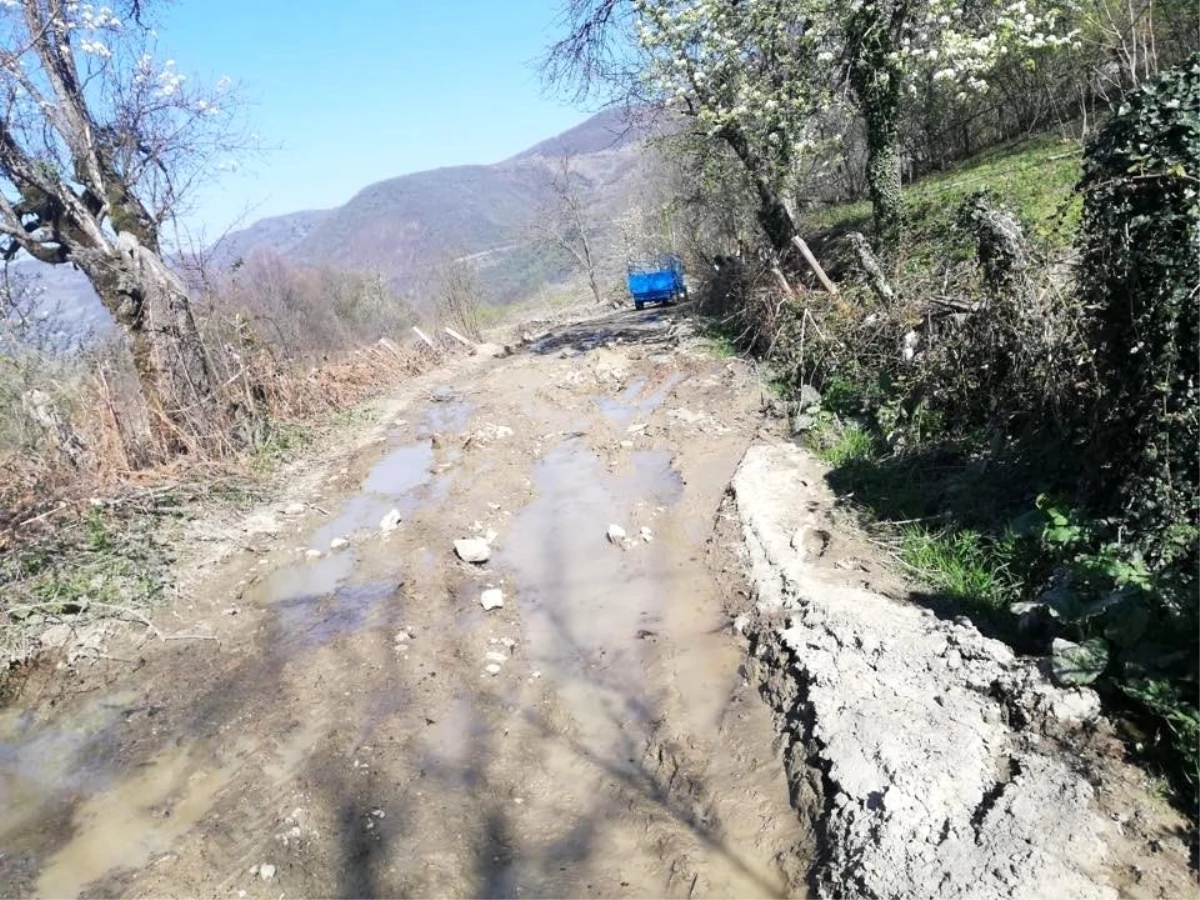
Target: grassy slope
[1034, 176]
[961, 542]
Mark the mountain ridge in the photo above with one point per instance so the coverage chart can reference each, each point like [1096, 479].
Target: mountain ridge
[409, 225]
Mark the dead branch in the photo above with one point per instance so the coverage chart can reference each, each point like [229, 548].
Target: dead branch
[814, 265]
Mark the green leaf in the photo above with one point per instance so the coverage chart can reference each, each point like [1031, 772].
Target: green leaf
[1074, 664]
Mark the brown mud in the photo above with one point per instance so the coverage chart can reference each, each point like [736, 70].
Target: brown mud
[335, 728]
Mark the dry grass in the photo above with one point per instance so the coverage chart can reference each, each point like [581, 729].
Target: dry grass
[90, 498]
[95, 435]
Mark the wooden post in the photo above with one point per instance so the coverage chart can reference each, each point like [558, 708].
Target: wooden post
[870, 265]
[816, 266]
[390, 346]
[423, 336]
[458, 337]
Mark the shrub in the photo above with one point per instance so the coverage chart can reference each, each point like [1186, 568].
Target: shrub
[1140, 277]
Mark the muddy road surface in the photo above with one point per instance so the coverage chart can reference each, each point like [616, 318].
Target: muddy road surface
[355, 723]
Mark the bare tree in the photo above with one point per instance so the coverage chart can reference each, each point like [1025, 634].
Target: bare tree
[456, 297]
[564, 223]
[99, 148]
[592, 58]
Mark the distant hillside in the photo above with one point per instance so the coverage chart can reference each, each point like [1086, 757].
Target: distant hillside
[64, 312]
[606, 131]
[406, 227]
[278, 233]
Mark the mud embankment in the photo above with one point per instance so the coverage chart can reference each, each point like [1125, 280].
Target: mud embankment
[931, 760]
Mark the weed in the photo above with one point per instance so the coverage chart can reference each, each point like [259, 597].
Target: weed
[964, 564]
[721, 346]
[102, 560]
[841, 444]
[283, 442]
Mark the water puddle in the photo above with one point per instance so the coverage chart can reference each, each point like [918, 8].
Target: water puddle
[400, 471]
[138, 818]
[392, 483]
[587, 605]
[447, 418]
[126, 822]
[448, 413]
[634, 402]
[43, 764]
[82, 795]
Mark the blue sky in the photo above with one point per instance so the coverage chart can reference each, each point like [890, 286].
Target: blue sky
[347, 92]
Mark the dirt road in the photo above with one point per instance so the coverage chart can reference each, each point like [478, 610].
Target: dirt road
[357, 724]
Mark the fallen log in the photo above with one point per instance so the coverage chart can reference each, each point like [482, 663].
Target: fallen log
[458, 337]
[814, 265]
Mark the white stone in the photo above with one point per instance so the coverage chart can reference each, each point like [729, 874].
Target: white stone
[294, 509]
[262, 523]
[496, 656]
[647, 534]
[492, 668]
[472, 550]
[312, 553]
[616, 534]
[338, 543]
[391, 521]
[56, 636]
[266, 871]
[492, 598]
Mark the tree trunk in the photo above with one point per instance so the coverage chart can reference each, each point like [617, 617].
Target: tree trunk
[773, 215]
[883, 179]
[876, 77]
[151, 304]
[590, 265]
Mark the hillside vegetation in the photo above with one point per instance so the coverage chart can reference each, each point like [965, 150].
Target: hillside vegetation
[970, 419]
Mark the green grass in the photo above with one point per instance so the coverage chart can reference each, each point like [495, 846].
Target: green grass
[720, 344]
[841, 444]
[965, 565]
[283, 442]
[952, 524]
[1034, 177]
[100, 558]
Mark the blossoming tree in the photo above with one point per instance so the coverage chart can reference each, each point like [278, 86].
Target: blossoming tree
[763, 76]
[748, 75]
[880, 45]
[99, 147]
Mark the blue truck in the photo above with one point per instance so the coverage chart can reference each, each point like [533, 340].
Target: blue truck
[658, 280]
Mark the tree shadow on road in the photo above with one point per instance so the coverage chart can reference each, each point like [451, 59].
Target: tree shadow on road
[659, 326]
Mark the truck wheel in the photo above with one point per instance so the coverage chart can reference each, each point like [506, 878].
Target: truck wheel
[639, 305]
